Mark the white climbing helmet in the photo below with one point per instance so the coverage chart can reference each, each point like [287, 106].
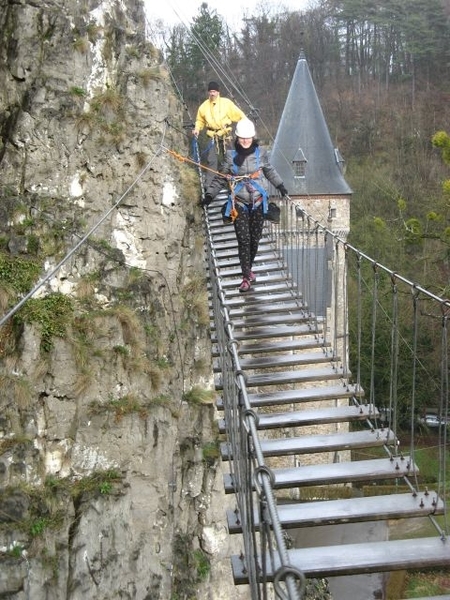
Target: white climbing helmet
[245, 129]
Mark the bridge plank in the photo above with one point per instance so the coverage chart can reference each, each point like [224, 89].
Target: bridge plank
[282, 295]
[319, 416]
[259, 318]
[280, 360]
[351, 510]
[303, 395]
[283, 345]
[284, 377]
[354, 559]
[335, 473]
[315, 444]
[283, 360]
[230, 286]
[274, 332]
[281, 377]
[270, 307]
[264, 273]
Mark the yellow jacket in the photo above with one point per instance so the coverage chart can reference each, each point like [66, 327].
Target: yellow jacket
[217, 116]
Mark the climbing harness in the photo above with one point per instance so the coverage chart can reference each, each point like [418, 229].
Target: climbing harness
[236, 183]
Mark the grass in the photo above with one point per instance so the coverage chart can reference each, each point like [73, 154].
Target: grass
[432, 583]
[198, 395]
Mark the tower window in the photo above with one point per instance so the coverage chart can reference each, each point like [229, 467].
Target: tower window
[299, 164]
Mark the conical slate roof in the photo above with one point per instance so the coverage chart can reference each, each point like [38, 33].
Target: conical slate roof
[303, 152]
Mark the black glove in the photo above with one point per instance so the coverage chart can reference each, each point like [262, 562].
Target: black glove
[207, 199]
[283, 191]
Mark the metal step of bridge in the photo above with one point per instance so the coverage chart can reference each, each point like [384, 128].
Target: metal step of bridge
[326, 373]
[281, 360]
[261, 333]
[280, 296]
[229, 243]
[349, 510]
[286, 305]
[314, 444]
[354, 559]
[276, 345]
[264, 273]
[261, 319]
[316, 416]
[371, 470]
[281, 344]
[296, 396]
[229, 259]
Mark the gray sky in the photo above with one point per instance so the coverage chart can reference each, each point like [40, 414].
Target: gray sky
[174, 12]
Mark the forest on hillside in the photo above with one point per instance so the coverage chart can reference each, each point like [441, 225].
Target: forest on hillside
[382, 73]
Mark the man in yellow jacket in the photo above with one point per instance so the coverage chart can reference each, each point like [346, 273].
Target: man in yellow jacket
[216, 115]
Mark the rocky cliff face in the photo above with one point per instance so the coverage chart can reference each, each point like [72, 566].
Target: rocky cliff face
[110, 485]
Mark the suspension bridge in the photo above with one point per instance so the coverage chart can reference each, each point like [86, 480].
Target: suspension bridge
[307, 444]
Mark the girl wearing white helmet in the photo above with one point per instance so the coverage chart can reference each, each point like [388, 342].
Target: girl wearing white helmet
[249, 164]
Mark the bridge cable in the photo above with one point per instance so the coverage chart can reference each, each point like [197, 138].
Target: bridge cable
[393, 404]
[86, 237]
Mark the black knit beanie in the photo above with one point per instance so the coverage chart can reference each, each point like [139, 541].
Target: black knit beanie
[213, 85]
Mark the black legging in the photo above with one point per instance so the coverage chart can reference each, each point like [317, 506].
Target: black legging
[248, 226]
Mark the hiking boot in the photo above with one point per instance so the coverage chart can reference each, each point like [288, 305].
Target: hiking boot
[251, 277]
[245, 286]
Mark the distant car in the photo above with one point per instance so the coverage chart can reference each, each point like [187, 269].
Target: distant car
[431, 420]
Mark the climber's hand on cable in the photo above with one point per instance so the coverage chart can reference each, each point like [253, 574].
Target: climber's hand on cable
[283, 191]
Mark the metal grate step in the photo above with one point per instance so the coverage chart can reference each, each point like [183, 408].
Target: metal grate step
[354, 559]
[250, 318]
[335, 473]
[271, 307]
[230, 257]
[263, 273]
[281, 295]
[351, 510]
[282, 360]
[231, 243]
[303, 395]
[320, 416]
[285, 377]
[258, 289]
[263, 283]
[272, 346]
[261, 333]
[315, 444]
[260, 319]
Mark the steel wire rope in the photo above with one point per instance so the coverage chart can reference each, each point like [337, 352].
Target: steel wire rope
[393, 384]
[358, 326]
[243, 467]
[225, 73]
[445, 303]
[415, 333]
[373, 332]
[222, 69]
[430, 295]
[85, 238]
[268, 491]
[216, 61]
[444, 410]
[403, 339]
[345, 323]
[335, 293]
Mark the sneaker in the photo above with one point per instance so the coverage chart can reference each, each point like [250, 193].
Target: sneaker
[245, 285]
[252, 277]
